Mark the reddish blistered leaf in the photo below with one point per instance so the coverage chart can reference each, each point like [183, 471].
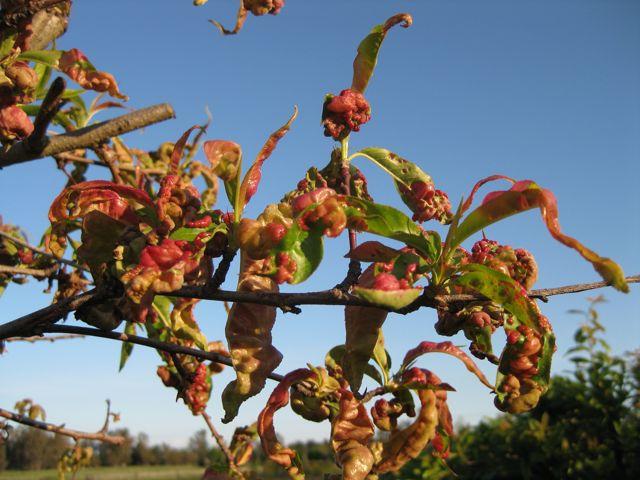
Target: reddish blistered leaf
[248, 333]
[367, 57]
[525, 195]
[467, 203]
[373, 251]
[273, 449]
[225, 158]
[14, 124]
[363, 328]
[351, 432]
[406, 444]
[448, 348]
[254, 174]
[78, 67]
[178, 150]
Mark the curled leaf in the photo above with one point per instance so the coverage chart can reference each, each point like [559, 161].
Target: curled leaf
[248, 333]
[351, 432]
[225, 158]
[373, 251]
[78, 67]
[273, 449]
[241, 17]
[252, 178]
[367, 57]
[448, 348]
[407, 443]
[363, 328]
[525, 195]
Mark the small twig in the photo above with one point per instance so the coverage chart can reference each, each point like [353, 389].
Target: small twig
[220, 274]
[34, 272]
[38, 338]
[51, 105]
[70, 157]
[61, 430]
[90, 136]
[221, 443]
[106, 157]
[355, 269]
[24, 244]
[371, 394]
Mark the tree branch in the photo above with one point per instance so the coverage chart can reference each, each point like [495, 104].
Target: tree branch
[61, 430]
[37, 338]
[34, 272]
[90, 136]
[37, 250]
[28, 324]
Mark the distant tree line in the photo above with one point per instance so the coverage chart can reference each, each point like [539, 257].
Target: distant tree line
[31, 449]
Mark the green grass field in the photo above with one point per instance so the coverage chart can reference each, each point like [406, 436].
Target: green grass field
[112, 473]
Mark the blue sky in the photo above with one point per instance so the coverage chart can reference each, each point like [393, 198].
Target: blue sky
[544, 90]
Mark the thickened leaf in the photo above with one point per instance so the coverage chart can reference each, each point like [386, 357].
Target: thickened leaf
[285, 457]
[248, 333]
[525, 195]
[392, 223]
[373, 251]
[406, 444]
[363, 328]
[225, 158]
[367, 57]
[503, 290]
[351, 432]
[448, 348]
[254, 174]
[391, 299]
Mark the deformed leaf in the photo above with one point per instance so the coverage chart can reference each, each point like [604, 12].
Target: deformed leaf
[252, 178]
[351, 432]
[273, 449]
[448, 348]
[248, 333]
[367, 57]
[391, 299]
[525, 195]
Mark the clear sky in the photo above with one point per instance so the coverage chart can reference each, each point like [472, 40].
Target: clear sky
[545, 90]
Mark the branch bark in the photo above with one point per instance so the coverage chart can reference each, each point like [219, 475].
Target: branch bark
[61, 430]
[29, 324]
[87, 137]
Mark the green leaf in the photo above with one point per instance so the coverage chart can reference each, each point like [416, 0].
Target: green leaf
[44, 74]
[127, 347]
[526, 195]
[45, 57]
[305, 248]
[391, 299]
[335, 357]
[401, 170]
[7, 44]
[392, 223]
[502, 290]
[367, 57]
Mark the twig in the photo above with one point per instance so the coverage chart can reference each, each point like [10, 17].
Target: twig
[61, 430]
[38, 338]
[90, 136]
[355, 269]
[171, 348]
[220, 274]
[70, 157]
[34, 272]
[106, 157]
[28, 324]
[51, 105]
[24, 244]
[221, 442]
